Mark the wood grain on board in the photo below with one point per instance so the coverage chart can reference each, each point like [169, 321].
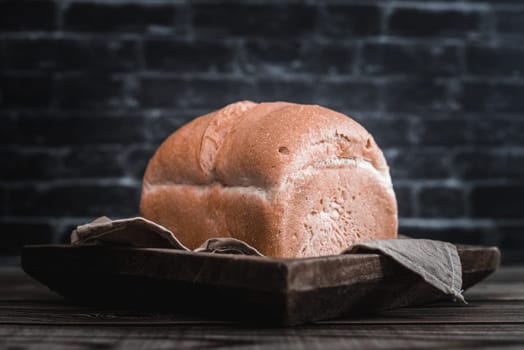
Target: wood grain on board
[251, 289]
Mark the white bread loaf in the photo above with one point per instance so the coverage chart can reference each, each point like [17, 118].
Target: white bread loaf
[291, 180]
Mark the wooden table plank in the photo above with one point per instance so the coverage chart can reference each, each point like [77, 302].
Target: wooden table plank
[507, 283]
[59, 313]
[16, 285]
[31, 317]
[499, 299]
[304, 337]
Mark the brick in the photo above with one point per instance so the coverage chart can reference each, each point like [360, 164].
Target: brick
[3, 55]
[17, 165]
[280, 56]
[427, 22]
[91, 163]
[76, 200]
[25, 91]
[495, 60]
[20, 165]
[186, 57]
[515, 165]
[27, 15]
[404, 200]
[441, 202]
[352, 20]
[4, 201]
[278, 90]
[267, 56]
[479, 164]
[441, 132]
[65, 54]
[348, 95]
[419, 164]
[389, 132]
[497, 132]
[90, 91]
[383, 59]
[484, 164]
[510, 22]
[510, 242]
[157, 129]
[9, 128]
[19, 232]
[50, 130]
[136, 160]
[163, 92]
[195, 93]
[104, 17]
[415, 95]
[331, 59]
[503, 201]
[492, 97]
[454, 234]
[238, 19]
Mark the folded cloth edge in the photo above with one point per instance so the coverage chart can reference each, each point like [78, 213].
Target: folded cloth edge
[103, 226]
[436, 262]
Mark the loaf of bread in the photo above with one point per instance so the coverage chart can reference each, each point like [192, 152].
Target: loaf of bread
[290, 180]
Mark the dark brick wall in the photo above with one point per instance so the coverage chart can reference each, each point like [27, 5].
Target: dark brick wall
[88, 90]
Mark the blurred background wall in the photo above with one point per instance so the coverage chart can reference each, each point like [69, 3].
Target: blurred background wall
[89, 89]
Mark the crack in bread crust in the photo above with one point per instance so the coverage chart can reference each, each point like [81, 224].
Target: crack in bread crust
[217, 130]
[202, 189]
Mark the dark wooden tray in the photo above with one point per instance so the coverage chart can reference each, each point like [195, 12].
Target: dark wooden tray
[247, 288]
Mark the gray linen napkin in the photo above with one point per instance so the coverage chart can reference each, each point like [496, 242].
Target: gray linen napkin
[133, 232]
[437, 263]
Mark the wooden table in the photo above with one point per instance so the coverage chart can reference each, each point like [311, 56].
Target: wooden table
[31, 317]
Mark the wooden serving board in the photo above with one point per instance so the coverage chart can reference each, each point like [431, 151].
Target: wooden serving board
[248, 288]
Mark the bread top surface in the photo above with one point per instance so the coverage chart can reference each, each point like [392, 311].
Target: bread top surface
[249, 144]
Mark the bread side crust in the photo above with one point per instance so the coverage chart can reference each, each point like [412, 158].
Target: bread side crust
[272, 220]
[356, 203]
